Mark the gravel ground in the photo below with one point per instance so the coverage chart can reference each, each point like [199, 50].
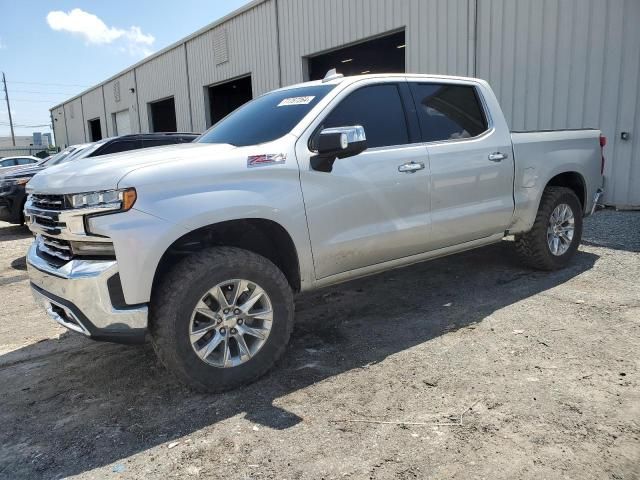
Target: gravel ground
[497, 372]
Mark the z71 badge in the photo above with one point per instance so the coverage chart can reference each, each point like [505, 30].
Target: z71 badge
[268, 159]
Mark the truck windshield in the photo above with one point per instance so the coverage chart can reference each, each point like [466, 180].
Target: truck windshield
[266, 118]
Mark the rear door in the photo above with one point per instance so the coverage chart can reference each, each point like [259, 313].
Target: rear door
[369, 209]
[471, 163]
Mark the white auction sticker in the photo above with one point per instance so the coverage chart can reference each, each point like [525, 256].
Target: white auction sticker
[296, 101]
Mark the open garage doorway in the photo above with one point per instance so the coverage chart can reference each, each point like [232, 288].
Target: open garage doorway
[225, 97]
[95, 131]
[379, 55]
[163, 115]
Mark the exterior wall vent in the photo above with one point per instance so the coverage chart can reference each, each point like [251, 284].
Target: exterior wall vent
[220, 46]
[116, 90]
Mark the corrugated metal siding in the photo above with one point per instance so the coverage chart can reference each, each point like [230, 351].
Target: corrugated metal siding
[75, 123]
[59, 128]
[252, 48]
[162, 77]
[625, 184]
[553, 63]
[437, 31]
[118, 96]
[93, 107]
[568, 64]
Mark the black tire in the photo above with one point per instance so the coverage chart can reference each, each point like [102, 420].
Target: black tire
[532, 247]
[177, 295]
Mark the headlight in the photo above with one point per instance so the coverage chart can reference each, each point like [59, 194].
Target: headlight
[108, 199]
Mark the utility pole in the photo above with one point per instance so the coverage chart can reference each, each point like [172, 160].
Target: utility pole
[6, 97]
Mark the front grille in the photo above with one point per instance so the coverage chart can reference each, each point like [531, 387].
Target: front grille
[48, 223]
[54, 250]
[48, 202]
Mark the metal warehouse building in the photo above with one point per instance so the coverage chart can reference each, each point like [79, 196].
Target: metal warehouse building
[554, 64]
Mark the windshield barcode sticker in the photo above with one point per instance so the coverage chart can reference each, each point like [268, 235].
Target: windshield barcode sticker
[296, 101]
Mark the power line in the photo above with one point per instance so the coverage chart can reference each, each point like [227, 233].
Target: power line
[36, 101]
[3, 124]
[46, 93]
[52, 84]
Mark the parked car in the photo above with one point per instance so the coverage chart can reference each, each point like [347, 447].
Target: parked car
[7, 164]
[304, 187]
[12, 190]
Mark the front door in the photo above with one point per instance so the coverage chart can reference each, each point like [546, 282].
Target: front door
[371, 207]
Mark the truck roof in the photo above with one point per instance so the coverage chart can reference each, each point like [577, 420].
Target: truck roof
[355, 78]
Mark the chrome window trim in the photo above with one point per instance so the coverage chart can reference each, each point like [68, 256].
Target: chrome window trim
[343, 94]
[483, 106]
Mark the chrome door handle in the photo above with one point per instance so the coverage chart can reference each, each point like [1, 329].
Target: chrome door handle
[497, 156]
[411, 167]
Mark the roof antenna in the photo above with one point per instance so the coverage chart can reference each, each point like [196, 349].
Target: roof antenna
[332, 75]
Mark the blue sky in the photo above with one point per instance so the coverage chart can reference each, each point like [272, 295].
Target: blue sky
[52, 50]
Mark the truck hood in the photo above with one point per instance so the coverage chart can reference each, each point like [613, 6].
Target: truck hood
[105, 171]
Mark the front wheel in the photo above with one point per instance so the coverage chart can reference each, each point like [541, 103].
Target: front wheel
[221, 318]
[556, 233]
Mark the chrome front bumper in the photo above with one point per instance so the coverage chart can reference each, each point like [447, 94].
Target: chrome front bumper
[77, 296]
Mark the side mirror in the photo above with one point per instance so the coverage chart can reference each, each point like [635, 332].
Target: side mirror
[338, 142]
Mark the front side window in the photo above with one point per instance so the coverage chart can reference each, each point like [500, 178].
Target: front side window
[448, 112]
[378, 108]
[25, 161]
[266, 118]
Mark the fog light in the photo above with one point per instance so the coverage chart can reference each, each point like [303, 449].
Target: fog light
[93, 248]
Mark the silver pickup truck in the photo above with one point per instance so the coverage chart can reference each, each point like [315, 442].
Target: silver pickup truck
[202, 246]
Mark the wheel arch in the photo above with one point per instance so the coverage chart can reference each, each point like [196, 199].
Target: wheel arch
[572, 180]
[259, 235]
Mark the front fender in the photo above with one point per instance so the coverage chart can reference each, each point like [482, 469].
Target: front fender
[177, 202]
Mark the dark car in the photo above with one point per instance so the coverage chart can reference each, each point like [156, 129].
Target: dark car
[12, 186]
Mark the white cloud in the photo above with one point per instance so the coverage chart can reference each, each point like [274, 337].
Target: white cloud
[95, 31]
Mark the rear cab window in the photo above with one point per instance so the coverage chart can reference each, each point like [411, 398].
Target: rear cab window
[448, 111]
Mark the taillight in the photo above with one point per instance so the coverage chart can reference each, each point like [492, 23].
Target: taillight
[603, 143]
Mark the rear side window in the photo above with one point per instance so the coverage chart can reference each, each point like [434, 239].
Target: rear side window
[378, 108]
[10, 162]
[119, 146]
[448, 112]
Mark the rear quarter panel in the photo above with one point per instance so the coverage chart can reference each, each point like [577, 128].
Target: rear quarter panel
[540, 156]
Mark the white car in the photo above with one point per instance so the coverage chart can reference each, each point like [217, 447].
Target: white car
[8, 164]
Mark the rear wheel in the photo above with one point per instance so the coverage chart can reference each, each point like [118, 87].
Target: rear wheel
[221, 318]
[556, 232]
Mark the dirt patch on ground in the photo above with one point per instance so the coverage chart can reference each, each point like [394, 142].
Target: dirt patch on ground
[498, 372]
